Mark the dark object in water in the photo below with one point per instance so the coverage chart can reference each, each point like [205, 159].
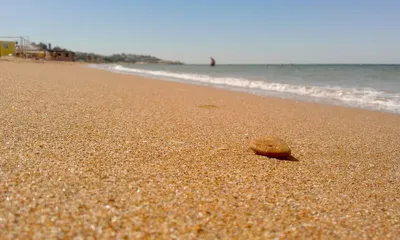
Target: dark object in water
[212, 62]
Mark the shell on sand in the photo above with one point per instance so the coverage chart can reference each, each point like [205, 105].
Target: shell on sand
[270, 146]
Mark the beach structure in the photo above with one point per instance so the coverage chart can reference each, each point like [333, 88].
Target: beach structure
[29, 52]
[19, 47]
[59, 55]
[7, 48]
[23, 47]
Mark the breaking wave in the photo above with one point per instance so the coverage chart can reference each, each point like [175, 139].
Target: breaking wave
[355, 97]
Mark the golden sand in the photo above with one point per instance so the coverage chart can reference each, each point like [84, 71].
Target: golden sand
[88, 154]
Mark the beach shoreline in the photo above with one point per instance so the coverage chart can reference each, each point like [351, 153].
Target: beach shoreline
[90, 153]
[352, 86]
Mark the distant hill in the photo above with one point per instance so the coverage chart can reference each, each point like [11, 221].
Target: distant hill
[123, 57]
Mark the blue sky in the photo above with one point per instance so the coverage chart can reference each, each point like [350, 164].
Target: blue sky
[308, 31]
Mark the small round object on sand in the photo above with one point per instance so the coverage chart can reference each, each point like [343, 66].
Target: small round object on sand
[270, 146]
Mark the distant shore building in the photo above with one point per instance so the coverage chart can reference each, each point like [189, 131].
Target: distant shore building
[7, 48]
[59, 55]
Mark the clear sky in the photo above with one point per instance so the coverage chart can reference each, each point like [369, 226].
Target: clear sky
[252, 31]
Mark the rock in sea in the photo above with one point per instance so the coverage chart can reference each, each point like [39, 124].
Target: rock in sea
[270, 146]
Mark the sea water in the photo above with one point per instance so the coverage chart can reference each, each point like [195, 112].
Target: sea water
[374, 87]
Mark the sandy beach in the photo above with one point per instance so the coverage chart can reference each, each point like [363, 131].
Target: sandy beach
[90, 154]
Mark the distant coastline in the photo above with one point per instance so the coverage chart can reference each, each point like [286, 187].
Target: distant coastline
[122, 58]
